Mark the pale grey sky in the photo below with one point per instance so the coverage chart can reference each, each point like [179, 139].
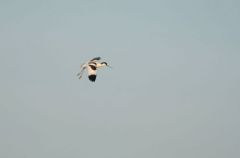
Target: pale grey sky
[173, 92]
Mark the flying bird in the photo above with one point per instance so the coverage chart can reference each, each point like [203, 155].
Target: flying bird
[92, 66]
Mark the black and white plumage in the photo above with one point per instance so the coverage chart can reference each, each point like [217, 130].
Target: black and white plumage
[92, 66]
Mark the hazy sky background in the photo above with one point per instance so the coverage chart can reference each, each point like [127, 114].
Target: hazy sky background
[173, 92]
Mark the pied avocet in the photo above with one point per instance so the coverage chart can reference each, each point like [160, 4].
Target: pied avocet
[92, 67]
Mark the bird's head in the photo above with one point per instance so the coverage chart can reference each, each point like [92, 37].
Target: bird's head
[105, 64]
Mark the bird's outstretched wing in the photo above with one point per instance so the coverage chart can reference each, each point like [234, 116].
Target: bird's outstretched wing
[96, 58]
[91, 69]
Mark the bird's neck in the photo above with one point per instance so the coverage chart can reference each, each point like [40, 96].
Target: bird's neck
[100, 65]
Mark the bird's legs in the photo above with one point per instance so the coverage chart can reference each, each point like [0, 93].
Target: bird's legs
[80, 74]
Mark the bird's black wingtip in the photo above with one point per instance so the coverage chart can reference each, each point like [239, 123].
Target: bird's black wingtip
[92, 78]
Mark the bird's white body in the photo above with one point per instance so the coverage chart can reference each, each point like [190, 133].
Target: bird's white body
[91, 67]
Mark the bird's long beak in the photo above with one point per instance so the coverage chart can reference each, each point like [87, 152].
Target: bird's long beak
[109, 66]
